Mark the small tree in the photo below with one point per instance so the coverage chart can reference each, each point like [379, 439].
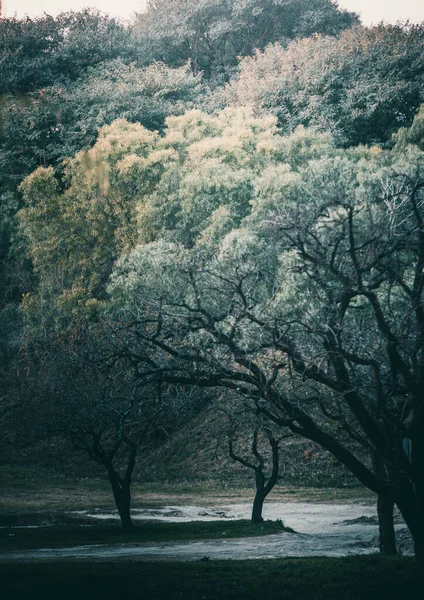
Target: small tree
[245, 427]
[263, 486]
[70, 391]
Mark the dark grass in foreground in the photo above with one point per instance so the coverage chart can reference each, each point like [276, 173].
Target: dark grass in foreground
[352, 578]
[15, 539]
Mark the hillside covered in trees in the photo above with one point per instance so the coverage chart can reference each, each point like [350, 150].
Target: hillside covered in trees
[212, 245]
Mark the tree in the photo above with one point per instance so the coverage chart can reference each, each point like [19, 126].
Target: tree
[361, 86]
[213, 33]
[134, 183]
[99, 411]
[207, 184]
[43, 129]
[73, 238]
[288, 290]
[60, 81]
[73, 388]
[47, 126]
[52, 51]
[260, 435]
[413, 135]
[320, 285]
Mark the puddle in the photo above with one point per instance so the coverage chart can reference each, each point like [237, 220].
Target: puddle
[173, 514]
[303, 517]
[322, 530]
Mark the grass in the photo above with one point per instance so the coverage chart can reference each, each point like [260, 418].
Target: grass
[15, 539]
[352, 578]
[26, 489]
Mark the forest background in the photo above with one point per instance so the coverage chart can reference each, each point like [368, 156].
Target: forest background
[211, 220]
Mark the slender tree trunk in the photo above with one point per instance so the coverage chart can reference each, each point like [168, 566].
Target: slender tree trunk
[122, 495]
[385, 506]
[411, 505]
[258, 504]
[124, 509]
[195, 53]
[262, 489]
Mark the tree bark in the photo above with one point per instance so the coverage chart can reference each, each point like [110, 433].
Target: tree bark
[262, 489]
[411, 505]
[122, 495]
[123, 507]
[385, 506]
[258, 504]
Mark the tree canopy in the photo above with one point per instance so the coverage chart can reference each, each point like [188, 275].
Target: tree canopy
[362, 85]
[192, 185]
[51, 51]
[213, 33]
[263, 237]
[315, 293]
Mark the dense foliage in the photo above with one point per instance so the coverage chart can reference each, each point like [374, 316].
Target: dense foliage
[213, 33]
[362, 85]
[52, 51]
[311, 305]
[237, 238]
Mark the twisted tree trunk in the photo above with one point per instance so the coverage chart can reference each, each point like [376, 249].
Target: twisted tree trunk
[263, 488]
